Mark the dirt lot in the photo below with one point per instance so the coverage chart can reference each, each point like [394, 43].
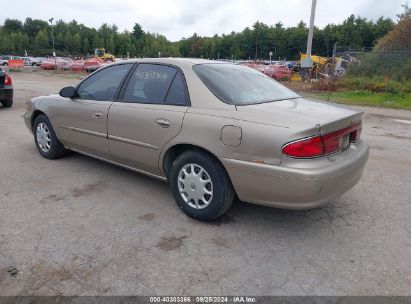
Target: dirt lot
[77, 226]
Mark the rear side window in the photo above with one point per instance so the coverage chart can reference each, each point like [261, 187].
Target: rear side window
[156, 84]
[239, 85]
[104, 84]
[177, 95]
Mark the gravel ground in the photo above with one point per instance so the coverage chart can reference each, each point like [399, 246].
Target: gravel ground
[77, 226]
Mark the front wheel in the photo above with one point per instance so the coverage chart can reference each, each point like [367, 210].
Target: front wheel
[46, 140]
[200, 185]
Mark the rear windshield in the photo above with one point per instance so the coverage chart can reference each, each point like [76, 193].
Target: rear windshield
[239, 85]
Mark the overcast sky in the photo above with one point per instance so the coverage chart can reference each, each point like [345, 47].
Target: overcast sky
[181, 18]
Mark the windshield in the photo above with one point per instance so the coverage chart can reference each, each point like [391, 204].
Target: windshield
[239, 85]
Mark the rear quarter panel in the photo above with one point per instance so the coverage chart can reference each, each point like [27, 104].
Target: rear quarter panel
[203, 128]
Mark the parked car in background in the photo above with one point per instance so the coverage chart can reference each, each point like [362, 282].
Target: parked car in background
[49, 64]
[77, 66]
[6, 89]
[278, 70]
[5, 58]
[92, 64]
[32, 61]
[56, 63]
[213, 130]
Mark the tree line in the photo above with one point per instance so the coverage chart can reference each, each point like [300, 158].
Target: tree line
[74, 39]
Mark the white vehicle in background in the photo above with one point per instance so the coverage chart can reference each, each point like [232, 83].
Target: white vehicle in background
[32, 61]
[4, 59]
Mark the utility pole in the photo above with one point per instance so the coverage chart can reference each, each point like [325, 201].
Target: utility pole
[256, 49]
[308, 62]
[52, 35]
[52, 39]
[334, 50]
[333, 59]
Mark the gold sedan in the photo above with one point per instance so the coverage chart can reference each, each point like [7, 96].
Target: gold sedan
[213, 130]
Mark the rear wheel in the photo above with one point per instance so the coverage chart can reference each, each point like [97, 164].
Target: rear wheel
[200, 185]
[46, 141]
[7, 103]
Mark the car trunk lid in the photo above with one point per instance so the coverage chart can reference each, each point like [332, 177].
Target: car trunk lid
[302, 114]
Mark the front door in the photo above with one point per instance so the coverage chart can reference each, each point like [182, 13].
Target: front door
[83, 124]
[149, 113]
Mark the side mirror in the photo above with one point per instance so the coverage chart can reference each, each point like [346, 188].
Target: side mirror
[68, 92]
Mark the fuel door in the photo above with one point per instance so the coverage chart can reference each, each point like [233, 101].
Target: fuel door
[231, 135]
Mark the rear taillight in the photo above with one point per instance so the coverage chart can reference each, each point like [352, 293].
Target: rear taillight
[309, 147]
[323, 144]
[7, 80]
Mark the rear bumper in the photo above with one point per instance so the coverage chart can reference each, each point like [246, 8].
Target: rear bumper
[297, 188]
[6, 93]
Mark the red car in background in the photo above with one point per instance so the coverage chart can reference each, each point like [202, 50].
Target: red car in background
[77, 66]
[278, 70]
[56, 63]
[92, 64]
[6, 89]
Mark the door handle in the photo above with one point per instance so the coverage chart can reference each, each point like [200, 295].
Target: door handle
[98, 115]
[164, 123]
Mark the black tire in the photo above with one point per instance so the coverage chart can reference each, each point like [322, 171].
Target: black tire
[5, 64]
[223, 191]
[7, 103]
[57, 149]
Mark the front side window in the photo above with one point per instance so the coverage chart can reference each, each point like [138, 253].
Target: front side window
[150, 83]
[104, 84]
[239, 85]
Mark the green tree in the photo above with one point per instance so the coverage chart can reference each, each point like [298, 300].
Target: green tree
[41, 42]
[85, 47]
[12, 26]
[137, 32]
[252, 42]
[32, 27]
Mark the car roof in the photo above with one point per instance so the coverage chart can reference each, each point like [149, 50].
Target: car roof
[172, 61]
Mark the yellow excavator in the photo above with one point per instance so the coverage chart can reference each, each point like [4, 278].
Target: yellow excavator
[100, 53]
[322, 67]
[316, 59]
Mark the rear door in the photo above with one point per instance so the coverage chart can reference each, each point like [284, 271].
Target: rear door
[82, 121]
[148, 114]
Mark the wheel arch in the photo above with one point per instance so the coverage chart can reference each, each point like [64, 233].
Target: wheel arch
[174, 151]
[35, 114]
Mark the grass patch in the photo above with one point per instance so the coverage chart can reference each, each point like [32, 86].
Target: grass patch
[375, 84]
[365, 98]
